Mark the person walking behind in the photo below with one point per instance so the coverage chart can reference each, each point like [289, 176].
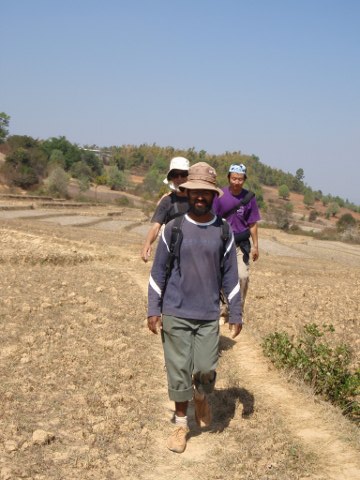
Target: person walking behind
[238, 206]
[170, 206]
[184, 304]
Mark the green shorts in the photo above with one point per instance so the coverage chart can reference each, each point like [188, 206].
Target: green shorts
[191, 349]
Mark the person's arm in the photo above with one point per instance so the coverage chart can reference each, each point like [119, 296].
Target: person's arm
[235, 329]
[158, 219]
[231, 288]
[255, 242]
[156, 285]
[150, 239]
[155, 323]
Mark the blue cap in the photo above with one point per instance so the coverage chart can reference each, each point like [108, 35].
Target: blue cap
[234, 168]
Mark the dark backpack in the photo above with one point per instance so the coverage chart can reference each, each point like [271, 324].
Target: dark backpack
[177, 208]
[176, 239]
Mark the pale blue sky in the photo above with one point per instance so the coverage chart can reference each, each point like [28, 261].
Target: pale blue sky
[276, 78]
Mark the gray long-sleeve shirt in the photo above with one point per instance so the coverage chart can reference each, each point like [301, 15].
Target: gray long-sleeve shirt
[193, 288]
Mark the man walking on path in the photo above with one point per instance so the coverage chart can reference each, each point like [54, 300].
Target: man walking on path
[240, 209]
[184, 305]
[169, 206]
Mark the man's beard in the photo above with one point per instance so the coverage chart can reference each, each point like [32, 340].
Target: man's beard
[198, 211]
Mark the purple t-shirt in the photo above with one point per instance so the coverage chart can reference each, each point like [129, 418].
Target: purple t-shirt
[243, 217]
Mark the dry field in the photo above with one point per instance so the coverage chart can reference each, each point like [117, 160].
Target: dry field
[83, 388]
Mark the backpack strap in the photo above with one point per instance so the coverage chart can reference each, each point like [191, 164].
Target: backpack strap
[174, 247]
[225, 235]
[244, 201]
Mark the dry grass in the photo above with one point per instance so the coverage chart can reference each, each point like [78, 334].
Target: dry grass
[77, 364]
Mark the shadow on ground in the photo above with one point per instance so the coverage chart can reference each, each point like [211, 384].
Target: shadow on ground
[225, 343]
[224, 404]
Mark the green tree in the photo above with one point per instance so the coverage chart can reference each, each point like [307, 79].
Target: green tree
[4, 124]
[58, 182]
[299, 175]
[93, 161]
[289, 207]
[118, 160]
[332, 209]
[116, 179]
[72, 153]
[18, 169]
[84, 183]
[100, 180]
[345, 222]
[153, 181]
[297, 182]
[80, 169]
[309, 198]
[56, 160]
[21, 141]
[26, 162]
[284, 192]
[325, 200]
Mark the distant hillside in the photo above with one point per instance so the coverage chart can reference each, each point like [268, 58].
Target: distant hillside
[301, 212]
[140, 170]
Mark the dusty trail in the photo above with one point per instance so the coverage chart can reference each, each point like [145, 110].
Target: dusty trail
[310, 422]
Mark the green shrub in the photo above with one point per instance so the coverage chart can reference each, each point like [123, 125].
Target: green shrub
[57, 183]
[345, 221]
[294, 228]
[313, 215]
[123, 202]
[332, 209]
[284, 191]
[116, 178]
[289, 207]
[324, 367]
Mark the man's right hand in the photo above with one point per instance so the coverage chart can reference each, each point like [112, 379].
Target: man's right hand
[155, 324]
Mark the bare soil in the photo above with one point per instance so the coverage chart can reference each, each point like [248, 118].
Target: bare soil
[83, 389]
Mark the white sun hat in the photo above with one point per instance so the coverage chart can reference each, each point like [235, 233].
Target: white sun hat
[177, 163]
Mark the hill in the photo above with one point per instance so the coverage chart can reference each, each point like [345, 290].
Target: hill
[301, 212]
[132, 174]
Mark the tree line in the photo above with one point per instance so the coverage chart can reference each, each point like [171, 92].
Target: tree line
[47, 165]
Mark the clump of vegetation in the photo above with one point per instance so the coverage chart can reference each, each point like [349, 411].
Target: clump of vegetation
[280, 216]
[284, 192]
[325, 368]
[116, 178]
[309, 197]
[332, 209]
[58, 182]
[313, 215]
[124, 202]
[345, 222]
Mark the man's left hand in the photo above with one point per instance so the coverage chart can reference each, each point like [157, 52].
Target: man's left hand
[155, 324]
[235, 328]
[255, 253]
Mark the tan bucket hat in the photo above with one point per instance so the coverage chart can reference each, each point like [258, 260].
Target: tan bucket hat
[201, 177]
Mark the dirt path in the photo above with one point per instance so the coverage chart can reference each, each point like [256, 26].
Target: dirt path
[77, 361]
[310, 422]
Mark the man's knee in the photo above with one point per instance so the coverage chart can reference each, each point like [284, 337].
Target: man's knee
[205, 381]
